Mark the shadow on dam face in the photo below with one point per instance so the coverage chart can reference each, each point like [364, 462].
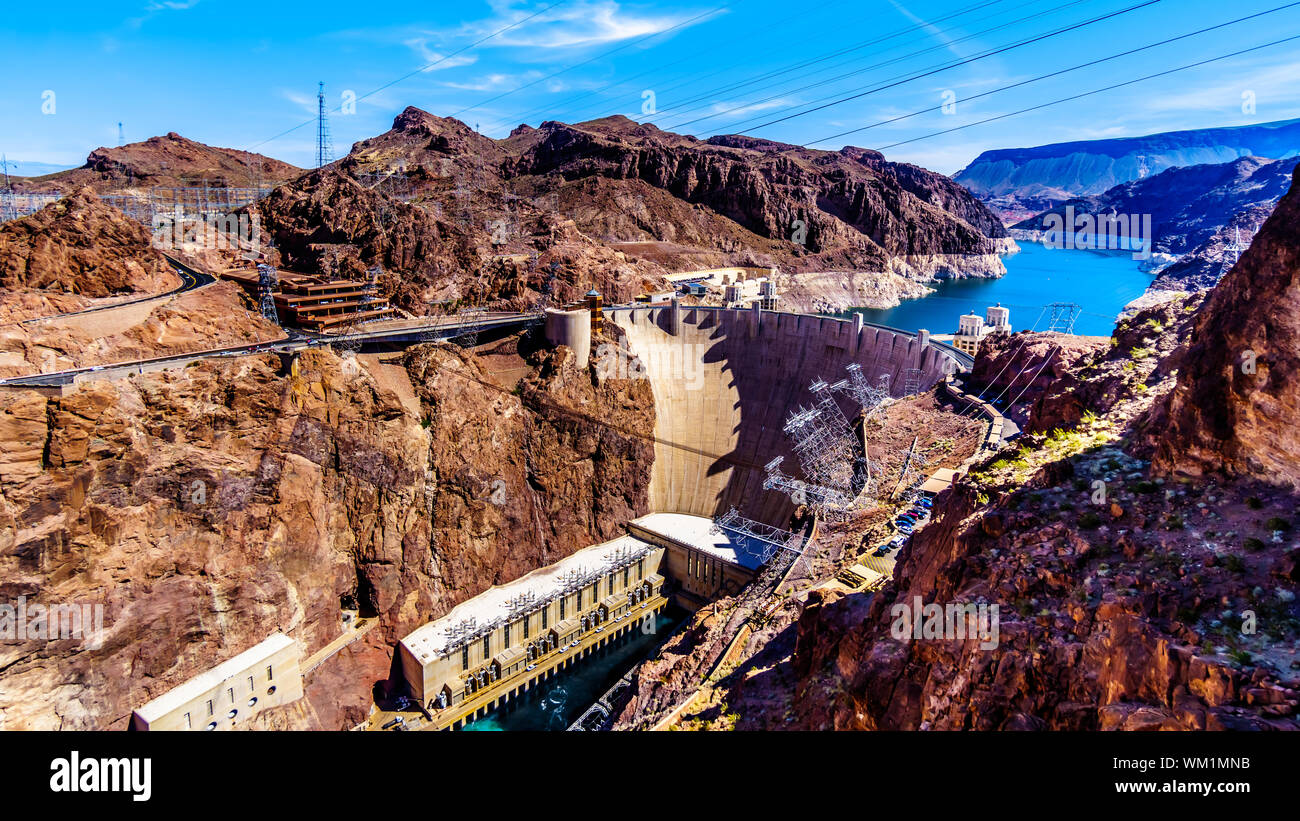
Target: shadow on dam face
[724, 383]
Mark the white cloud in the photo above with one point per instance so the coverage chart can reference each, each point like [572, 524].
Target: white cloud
[933, 30]
[579, 25]
[308, 104]
[436, 60]
[735, 109]
[1272, 83]
[495, 82]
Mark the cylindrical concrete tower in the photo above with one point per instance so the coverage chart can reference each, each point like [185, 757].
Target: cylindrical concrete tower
[572, 328]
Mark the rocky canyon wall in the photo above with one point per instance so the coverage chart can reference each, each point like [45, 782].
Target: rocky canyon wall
[210, 506]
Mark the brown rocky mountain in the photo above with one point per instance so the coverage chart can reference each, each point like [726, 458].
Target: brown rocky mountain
[168, 161]
[1234, 409]
[553, 200]
[80, 246]
[433, 260]
[1045, 381]
[1187, 205]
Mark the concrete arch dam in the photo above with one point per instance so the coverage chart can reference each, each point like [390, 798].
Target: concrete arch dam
[724, 382]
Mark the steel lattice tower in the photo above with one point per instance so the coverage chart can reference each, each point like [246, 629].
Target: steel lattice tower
[867, 396]
[1063, 316]
[912, 382]
[267, 282]
[323, 147]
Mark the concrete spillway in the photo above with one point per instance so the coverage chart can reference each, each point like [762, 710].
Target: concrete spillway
[724, 382]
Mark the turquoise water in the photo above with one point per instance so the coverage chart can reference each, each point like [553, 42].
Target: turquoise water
[558, 702]
[1102, 282]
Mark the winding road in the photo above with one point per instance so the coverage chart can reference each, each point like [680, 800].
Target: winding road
[191, 279]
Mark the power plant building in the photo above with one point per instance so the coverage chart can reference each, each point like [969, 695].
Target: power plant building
[501, 643]
[228, 695]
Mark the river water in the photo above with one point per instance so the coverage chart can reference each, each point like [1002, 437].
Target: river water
[558, 702]
[1102, 282]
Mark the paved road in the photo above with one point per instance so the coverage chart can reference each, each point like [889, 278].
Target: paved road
[405, 332]
[446, 328]
[190, 280]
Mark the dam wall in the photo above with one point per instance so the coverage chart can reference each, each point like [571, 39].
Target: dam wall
[724, 382]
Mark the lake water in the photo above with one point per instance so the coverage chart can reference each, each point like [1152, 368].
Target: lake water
[1102, 282]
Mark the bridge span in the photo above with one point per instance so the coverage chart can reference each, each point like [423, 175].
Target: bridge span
[404, 333]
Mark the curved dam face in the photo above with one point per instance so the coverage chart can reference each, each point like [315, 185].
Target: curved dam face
[726, 380]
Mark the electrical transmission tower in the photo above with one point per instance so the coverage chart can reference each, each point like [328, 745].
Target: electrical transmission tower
[324, 150]
[828, 503]
[1236, 248]
[869, 397]
[267, 282]
[824, 447]
[755, 538]
[370, 291]
[1063, 316]
[912, 382]
[7, 209]
[913, 467]
[471, 325]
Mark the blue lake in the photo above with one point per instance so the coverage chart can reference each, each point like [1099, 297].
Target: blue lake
[1101, 282]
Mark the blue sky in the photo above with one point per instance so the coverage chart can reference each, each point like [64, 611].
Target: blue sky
[238, 73]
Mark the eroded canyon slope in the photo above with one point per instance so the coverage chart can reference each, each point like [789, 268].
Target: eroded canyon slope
[79, 246]
[210, 506]
[1142, 556]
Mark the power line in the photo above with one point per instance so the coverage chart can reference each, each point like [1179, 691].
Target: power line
[1057, 73]
[420, 70]
[959, 63]
[624, 81]
[872, 67]
[590, 60]
[827, 56]
[1017, 353]
[971, 405]
[1017, 376]
[1096, 91]
[1046, 359]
